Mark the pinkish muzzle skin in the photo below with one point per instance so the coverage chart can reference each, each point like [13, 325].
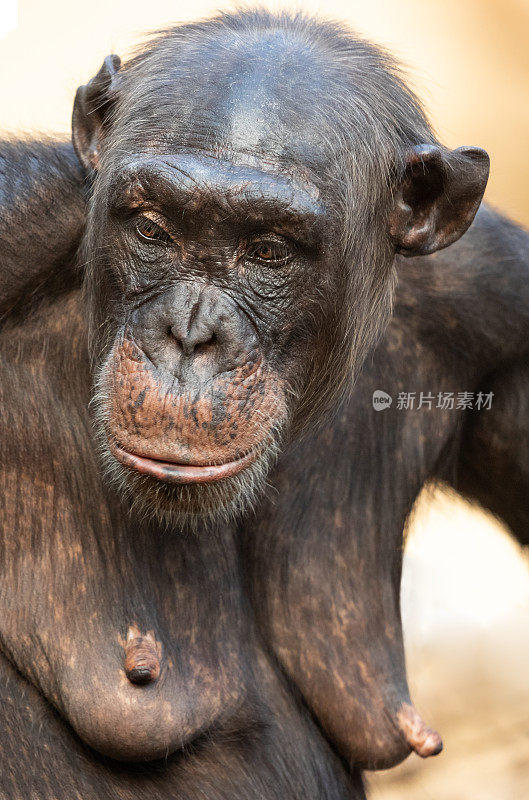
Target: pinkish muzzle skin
[158, 427]
[182, 473]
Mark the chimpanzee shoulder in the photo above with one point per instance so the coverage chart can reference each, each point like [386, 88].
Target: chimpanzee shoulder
[43, 195]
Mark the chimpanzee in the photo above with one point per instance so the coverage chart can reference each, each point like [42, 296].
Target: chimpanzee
[201, 571]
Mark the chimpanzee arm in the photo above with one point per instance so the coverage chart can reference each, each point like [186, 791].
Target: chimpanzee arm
[494, 462]
[42, 214]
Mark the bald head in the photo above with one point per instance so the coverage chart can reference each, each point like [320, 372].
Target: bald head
[279, 88]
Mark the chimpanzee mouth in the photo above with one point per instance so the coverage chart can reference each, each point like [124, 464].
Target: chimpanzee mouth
[177, 473]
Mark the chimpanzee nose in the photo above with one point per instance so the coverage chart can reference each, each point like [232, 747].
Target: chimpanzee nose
[194, 332]
[201, 332]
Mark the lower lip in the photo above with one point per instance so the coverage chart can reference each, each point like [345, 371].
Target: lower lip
[182, 473]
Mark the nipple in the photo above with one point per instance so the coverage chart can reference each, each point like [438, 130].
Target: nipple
[142, 656]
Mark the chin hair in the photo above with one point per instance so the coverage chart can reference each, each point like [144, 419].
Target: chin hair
[191, 506]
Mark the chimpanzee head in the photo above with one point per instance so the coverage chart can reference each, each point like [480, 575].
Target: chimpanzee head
[253, 178]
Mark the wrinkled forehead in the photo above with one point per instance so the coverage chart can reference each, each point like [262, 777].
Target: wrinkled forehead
[266, 100]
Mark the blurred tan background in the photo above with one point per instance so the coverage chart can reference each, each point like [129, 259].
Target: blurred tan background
[466, 584]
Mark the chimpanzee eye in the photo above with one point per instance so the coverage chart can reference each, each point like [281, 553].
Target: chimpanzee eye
[149, 230]
[272, 252]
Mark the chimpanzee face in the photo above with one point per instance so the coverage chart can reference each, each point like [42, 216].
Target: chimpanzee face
[250, 193]
[205, 264]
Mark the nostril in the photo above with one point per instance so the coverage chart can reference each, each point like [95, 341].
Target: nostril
[180, 338]
[194, 342]
[204, 347]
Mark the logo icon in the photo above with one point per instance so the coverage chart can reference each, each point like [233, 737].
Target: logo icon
[381, 400]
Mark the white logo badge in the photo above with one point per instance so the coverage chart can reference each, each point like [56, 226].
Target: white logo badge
[381, 400]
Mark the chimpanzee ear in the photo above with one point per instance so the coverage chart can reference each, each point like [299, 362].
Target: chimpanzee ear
[91, 108]
[437, 198]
